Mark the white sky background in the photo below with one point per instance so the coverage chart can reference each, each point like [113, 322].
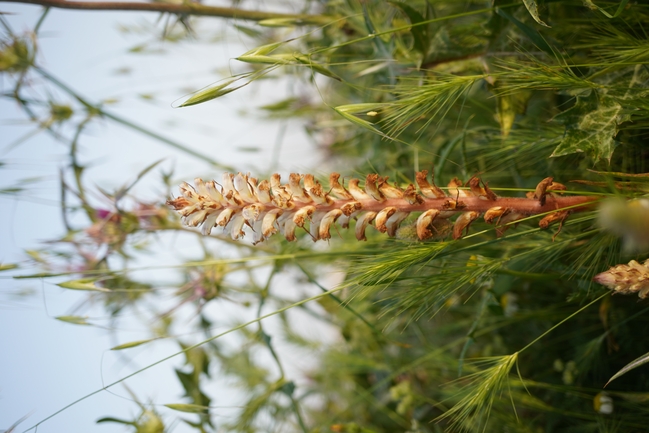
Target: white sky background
[47, 364]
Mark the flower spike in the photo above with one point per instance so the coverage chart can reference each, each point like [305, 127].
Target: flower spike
[627, 279]
[268, 207]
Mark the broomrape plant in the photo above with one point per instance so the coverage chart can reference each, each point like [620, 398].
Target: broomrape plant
[268, 207]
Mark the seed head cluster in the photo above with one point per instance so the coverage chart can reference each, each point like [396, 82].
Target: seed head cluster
[627, 279]
[268, 206]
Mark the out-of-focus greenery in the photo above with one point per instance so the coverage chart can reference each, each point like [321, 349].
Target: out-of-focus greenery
[483, 334]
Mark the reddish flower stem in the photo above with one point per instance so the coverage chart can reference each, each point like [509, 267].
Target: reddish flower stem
[527, 206]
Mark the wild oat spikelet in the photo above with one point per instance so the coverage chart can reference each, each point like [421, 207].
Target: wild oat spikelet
[269, 206]
[627, 279]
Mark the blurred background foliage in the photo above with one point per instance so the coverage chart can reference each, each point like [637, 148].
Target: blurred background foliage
[483, 334]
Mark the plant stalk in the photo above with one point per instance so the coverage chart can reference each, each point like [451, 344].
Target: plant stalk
[185, 8]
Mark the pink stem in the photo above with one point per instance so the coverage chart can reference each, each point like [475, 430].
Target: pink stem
[526, 206]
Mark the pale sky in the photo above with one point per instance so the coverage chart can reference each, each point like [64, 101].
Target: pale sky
[46, 363]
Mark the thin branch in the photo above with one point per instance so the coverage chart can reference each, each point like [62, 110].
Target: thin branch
[125, 122]
[185, 350]
[41, 20]
[186, 8]
[267, 341]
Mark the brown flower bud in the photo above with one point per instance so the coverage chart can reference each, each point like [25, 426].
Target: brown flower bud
[462, 222]
[303, 214]
[382, 218]
[356, 190]
[388, 190]
[372, 189]
[337, 188]
[362, 224]
[541, 188]
[495, 212]
[268, 222]
[411, 196]
[428, 190]
[424, 223]
[298, 193]
[327, 221]
[553, 218]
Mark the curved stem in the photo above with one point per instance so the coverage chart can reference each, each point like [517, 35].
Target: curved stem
[599, 298]
[96, 109]
[185, 8]
[186, 349]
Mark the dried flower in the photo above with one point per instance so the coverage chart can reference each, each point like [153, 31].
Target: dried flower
[627, 279]
[268, 207]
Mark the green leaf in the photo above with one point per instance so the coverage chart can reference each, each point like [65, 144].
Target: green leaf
[592, 6]
[138, 48]
[347, 111]
[117, 420]
[75, 320]
[132, 344]
[124, 190]
[506, 114]
[364, 108]
[248, 31]
[287, 59]
[280, 22]
[382, 46]
[191, 408]
[7, 266]
[419, 33]
[11, 190]
[265, 49]
[496, 23]
[210, 93]
[533, 9]
[288, 388]
[248, 149]
[509, 104]
[283, 105]
[630, 366]
[315, 67]
[36, 255]
[275, 59]
[531, 33]
[82, 284]
[592, 124]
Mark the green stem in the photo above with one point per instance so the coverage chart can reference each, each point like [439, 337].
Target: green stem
[297, 256]
[342, 303]
[41, 19]
[412, 25]
[78, 169]
[266, 338]
[229, 331]
[563, 321]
